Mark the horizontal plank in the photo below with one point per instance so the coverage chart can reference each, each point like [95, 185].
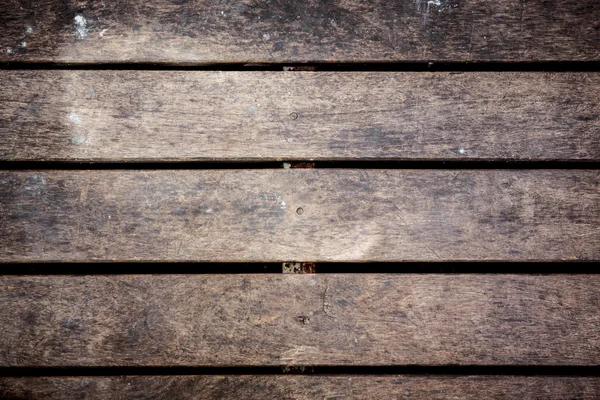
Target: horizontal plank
[211, 31]
[203, 115]
[300, 215]
[288, 319]
[302, 387]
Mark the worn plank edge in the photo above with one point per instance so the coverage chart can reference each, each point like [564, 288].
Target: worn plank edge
[287, 387]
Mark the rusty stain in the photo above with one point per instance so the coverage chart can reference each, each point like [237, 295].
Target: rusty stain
[299, 268]
[305, 165]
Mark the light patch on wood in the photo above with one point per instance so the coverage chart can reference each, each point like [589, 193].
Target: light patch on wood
[81, 30]
[297, 353]
[253, 110]
[74, 118]
[79, 138]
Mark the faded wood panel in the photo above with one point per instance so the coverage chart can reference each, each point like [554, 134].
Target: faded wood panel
[183, 115]
[211, 31]
[347, 319]
[305, 215]
[302, 387]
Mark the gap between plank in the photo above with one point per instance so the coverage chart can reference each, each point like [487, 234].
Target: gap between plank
[324, 164]
[170, 268]
[546, 66]
[305, 370]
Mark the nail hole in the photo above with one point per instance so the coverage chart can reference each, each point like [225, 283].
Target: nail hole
[294, 115]
[299, 211]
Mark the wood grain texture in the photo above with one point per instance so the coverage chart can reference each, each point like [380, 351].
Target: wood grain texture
[211, 31]
[300, 215]
[182, 115]
[302, 387]
[347, 319]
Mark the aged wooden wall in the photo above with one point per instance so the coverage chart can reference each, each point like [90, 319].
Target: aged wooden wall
[394, 139]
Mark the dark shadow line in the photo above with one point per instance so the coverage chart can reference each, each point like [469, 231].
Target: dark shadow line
[408, 66]
[324, 164]
[307, 370]
[170, 268]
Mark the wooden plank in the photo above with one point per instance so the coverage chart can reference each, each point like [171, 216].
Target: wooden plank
[211, 31]
[345, 319]
[303, 387]
[300, 214]
[204, 115]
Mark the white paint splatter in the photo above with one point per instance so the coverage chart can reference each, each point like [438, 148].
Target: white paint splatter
[462, 151]
[102, 32]
[81, 27]
[266, 36]
[9, 50]
[24, 44]
[209, 210]
[79, 138]
[287, 165]
[74, 118]
[29, 29]
[36, 185]
[424, 6]
[333, 23]
[282, 204]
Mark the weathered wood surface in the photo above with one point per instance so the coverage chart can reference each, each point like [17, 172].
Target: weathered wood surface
[300, 214]
[302, 387]
[177, 116]
[347, 319]
[211, 31]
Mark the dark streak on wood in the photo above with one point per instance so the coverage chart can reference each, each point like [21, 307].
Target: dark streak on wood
[178, 116]
[302, 387]
[300, 214]
[257, 31]
[248, 320]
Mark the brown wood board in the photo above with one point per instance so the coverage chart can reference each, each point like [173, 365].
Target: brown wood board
[299, 215]
[62, 115]
[333, 319]
[211, 31]
[253, 387]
